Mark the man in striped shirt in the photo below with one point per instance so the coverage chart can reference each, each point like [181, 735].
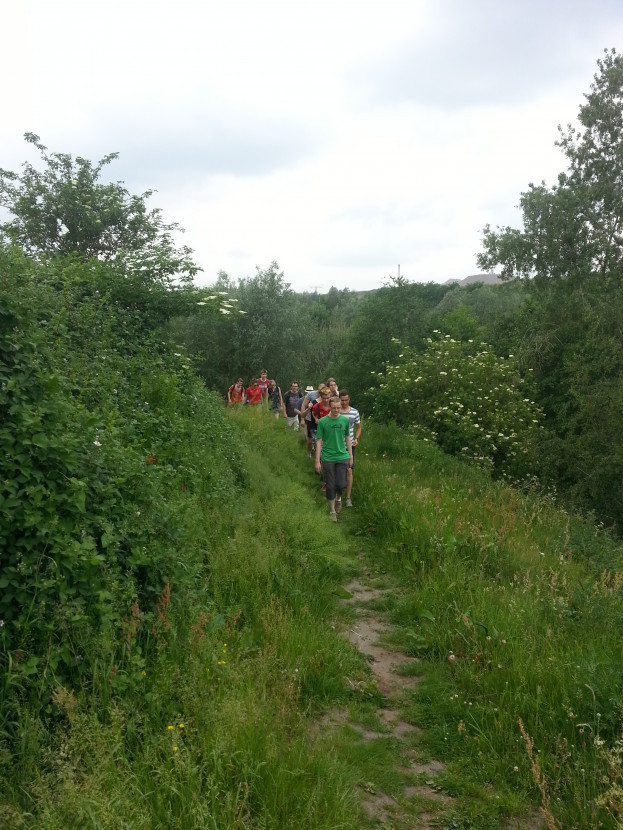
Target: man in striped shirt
[354, 424]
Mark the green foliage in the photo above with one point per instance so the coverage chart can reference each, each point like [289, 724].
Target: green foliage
[513, 609]
[219, 714]
[108, 447]
[295, 336]
[401, 311]
[572, 249]
[262, 331]
[470, 401]
[65, 209]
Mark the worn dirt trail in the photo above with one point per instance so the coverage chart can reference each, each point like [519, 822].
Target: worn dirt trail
[421, 803]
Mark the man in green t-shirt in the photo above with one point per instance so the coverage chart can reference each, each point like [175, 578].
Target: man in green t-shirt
[334, 455]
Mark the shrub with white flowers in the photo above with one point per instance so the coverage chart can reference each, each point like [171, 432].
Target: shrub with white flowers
[472, 402]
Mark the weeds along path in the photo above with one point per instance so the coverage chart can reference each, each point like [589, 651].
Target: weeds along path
[368, 728]
[466, 618]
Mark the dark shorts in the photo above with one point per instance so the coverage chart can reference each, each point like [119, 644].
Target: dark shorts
[311, 428]
[335, 474]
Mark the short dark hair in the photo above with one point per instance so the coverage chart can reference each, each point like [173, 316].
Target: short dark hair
[344, 392]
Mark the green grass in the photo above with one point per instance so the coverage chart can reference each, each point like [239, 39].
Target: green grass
[250, 658]
[513, 608]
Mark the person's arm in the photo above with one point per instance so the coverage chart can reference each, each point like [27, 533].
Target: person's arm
[357, 433]
[304, 407]
[318, 465]
[349, 448]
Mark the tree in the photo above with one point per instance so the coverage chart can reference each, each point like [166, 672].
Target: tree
[573, 230]
[398, 311]
[571, 249]
[65, 209]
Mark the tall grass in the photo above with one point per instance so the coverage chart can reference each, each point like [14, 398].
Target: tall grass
[215, 733]
[515, 607]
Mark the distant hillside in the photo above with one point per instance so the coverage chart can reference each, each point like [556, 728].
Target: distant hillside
[488, 279]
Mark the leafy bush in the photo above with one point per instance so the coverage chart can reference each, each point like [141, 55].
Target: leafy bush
[110, 447]
[470, 401]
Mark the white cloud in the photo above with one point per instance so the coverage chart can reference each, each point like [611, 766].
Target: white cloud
[339, 139]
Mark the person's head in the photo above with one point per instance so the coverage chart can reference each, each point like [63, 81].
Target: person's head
[263, 374]
[344, 398]
[294, 386]
[325, 395]
[254, 382]
[335, 406]
[332, 384]
[239, 382]
[273, 384]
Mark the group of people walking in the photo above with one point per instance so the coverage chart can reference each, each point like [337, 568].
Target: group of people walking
[331, 425]
[260, 390]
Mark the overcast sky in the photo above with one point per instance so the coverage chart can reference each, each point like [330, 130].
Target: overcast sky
[339, 138]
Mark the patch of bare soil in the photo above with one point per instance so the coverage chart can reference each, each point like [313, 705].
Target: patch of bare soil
[366, 633]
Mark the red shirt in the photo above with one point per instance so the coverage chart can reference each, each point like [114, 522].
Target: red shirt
[236, 394]
[320, 411]
[263, 384]
[254, 395]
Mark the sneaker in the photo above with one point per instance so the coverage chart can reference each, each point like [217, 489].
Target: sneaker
[338, 504]
[324, 488]
[333, 516]
[349, 503]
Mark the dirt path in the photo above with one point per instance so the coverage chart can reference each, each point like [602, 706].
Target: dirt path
[419, 803]
[413, 798]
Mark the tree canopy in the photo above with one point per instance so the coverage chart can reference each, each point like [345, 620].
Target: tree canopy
[575, 228]
[571, 249]
[65, 209]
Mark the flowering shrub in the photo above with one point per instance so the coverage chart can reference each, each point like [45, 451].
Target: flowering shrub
[467, 399]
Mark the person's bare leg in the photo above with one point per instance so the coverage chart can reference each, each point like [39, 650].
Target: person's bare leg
[349, 485]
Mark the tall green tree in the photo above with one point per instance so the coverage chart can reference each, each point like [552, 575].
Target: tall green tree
[65, 208]
[574, 230]
[398, 311]
[259, 327]
[571, 249]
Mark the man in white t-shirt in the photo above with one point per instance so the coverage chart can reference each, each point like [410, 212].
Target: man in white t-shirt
[354, 424]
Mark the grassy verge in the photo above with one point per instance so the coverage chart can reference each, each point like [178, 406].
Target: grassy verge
[515, 609]
[216, 732]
